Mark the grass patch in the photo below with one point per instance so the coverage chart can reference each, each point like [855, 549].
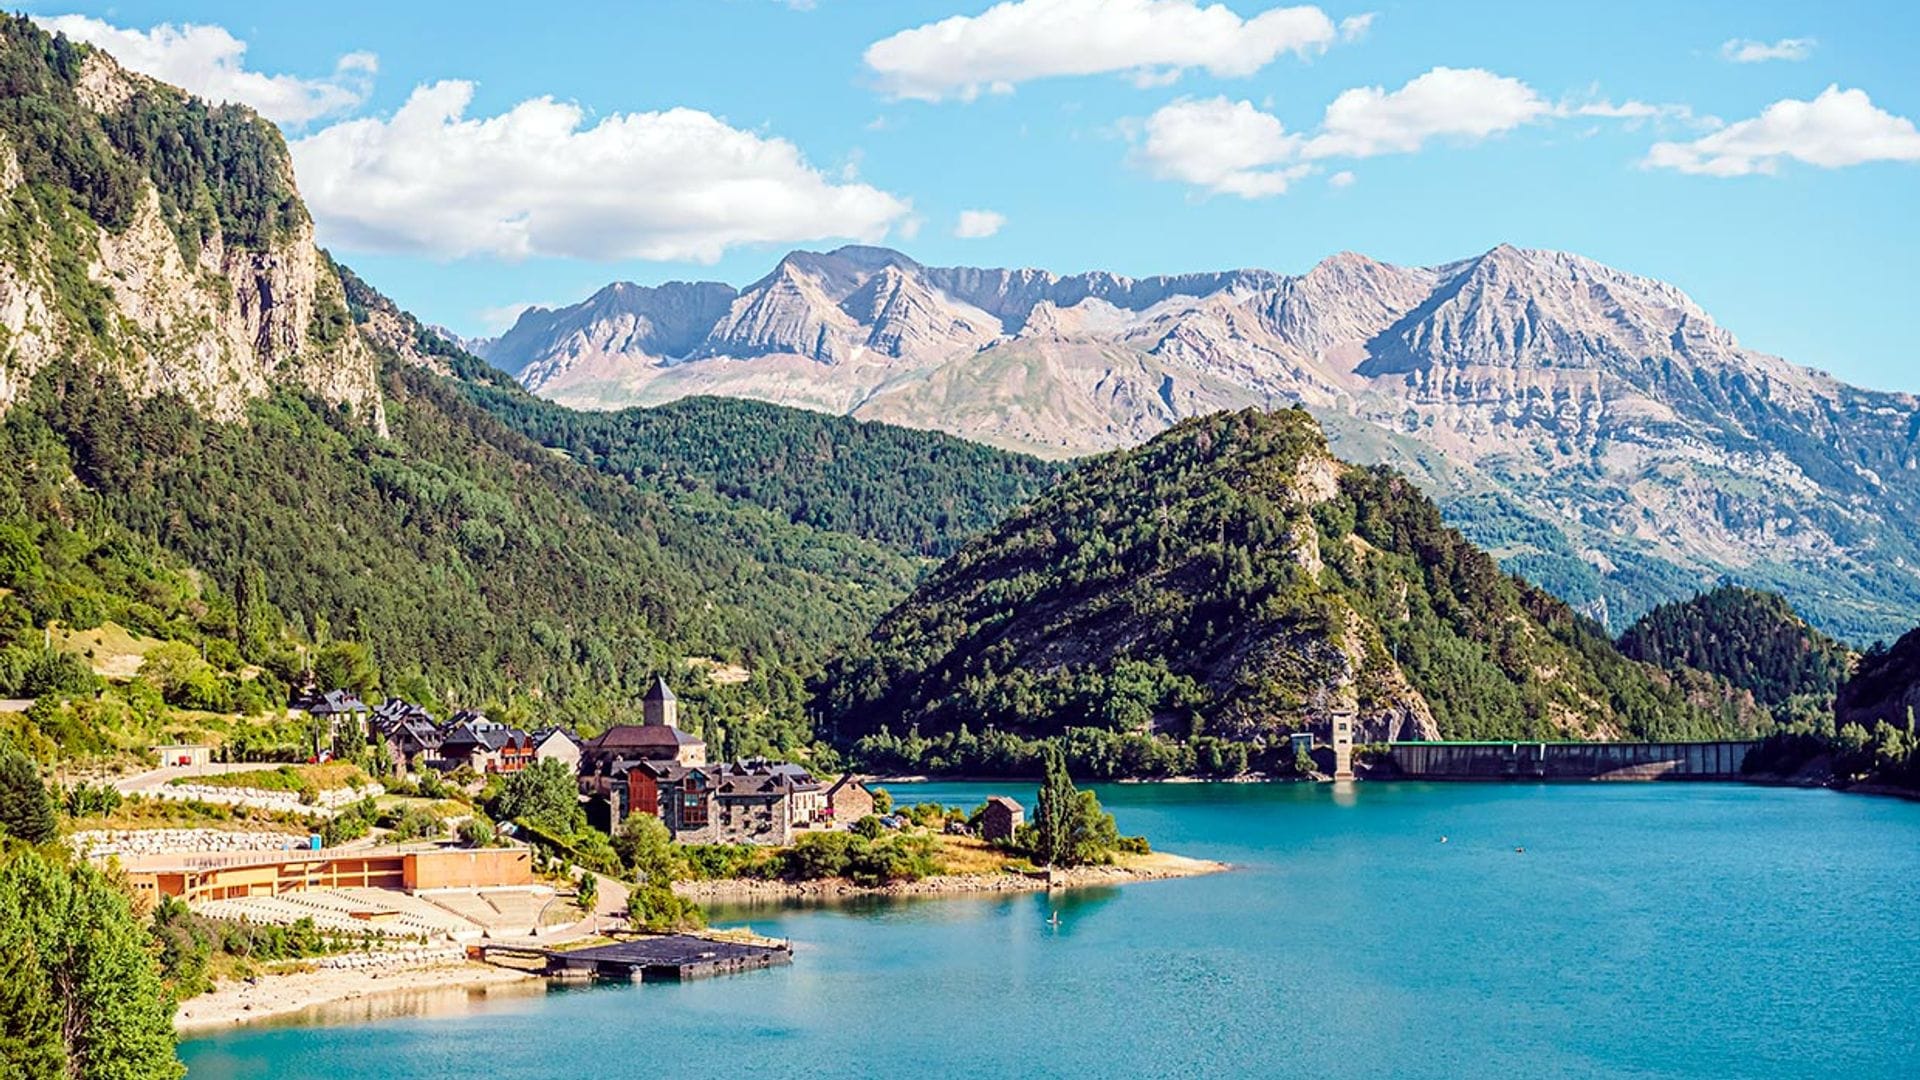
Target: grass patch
[968, 855]
[139, 812]
[111, 649]
[329, 776]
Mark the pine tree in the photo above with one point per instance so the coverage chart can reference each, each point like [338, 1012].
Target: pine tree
[26, 810]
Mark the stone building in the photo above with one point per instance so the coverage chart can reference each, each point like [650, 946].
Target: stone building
[1001, 819]
[848, 800]
[658, 739]
[752, 802]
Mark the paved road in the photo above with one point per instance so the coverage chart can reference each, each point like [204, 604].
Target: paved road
[156, 778]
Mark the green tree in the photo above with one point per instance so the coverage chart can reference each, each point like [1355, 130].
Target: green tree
[80, 977]
[544, 795]
[256, 623]
[647, 849]
[587, 892]
[26, 810]
[1070, 826]
[1056, 808]
[659, 909]
[346, 665]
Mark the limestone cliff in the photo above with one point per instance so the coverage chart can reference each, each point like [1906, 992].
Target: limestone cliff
[162, 239]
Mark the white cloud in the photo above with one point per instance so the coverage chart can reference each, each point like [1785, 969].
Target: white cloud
[1355, 27]
[978, 224]
[1467, 103]
[1153, 40]
[533, 181]
[1228, 147]
[1836, 129]
[210, 62]
[1235, 148]
[1743, 51]
[1634, 112]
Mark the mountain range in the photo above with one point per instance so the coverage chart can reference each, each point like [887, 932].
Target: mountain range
[1596, 429]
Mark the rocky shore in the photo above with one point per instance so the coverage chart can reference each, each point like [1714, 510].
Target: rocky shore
[1130, 869]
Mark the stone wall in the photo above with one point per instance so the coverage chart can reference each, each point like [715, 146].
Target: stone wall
[100, 843]
[262, 799]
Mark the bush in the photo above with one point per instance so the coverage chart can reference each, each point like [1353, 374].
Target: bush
[416, 823]
[648, 852]
[92, 800]
[869, 827]
[476, 831]
[657, 908]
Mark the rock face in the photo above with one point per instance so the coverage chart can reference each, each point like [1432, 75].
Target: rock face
[147, 262]
[1595, 428]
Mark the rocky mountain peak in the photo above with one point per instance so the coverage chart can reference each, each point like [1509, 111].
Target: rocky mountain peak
[1530, 309]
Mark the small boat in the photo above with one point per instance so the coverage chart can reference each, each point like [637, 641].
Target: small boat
[1054, 920]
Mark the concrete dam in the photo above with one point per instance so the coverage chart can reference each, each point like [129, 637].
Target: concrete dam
[1569, 760]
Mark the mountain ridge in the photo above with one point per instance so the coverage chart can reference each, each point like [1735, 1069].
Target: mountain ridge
[1608, 410]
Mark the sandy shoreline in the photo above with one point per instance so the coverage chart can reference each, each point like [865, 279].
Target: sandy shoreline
[275, 996]
[1158, 866]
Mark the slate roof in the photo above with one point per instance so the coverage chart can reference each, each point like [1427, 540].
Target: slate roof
[643, 737]
[336, 702]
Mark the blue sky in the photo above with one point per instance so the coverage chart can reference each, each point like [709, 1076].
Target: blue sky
[1156, 138]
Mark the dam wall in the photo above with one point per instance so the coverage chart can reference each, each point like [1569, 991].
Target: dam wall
[1569, 760]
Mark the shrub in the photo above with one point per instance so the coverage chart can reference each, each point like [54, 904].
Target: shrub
[657, 908]
[416, 823]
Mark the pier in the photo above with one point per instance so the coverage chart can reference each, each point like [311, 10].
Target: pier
[1522, 760]
[662, 958]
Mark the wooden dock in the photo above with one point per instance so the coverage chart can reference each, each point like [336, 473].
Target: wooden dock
[663, 958]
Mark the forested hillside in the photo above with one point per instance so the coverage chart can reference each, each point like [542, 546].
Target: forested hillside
[1754, 640]
[233, 467]
[918, 492]
[1230, 580]
[1885, 689]
[453, 548]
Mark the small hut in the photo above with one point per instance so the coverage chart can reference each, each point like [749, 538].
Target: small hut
[1001, 819]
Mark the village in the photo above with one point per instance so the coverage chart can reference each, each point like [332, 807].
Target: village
[394, 845]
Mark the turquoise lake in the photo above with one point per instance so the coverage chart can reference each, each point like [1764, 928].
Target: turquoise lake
[1651, 930]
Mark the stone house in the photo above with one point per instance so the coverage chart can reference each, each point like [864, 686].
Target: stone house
[485, 747]
[1001, 819]
[739, 803]
[848, 800]
[557, 744]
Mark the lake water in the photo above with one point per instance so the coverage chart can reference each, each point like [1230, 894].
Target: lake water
[1647, 930]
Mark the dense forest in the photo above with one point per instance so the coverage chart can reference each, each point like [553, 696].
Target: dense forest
[1230, 580]
[1752, 639]
[214, 166]
[918, 492]
[456, 551]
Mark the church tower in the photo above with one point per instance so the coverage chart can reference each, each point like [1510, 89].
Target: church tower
[659, 708]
